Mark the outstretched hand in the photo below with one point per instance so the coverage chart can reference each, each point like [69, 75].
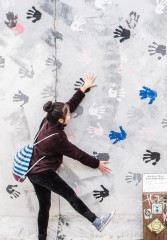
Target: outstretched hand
[89, 82]
[103, 168]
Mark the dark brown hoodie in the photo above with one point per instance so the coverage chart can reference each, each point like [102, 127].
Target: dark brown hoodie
[58, 145]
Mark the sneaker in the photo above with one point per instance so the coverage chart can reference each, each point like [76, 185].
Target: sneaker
[101, 222]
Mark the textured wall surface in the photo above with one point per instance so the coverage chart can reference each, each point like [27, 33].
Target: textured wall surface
[46, 47]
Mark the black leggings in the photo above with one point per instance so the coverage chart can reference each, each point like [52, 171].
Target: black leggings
[47, 181]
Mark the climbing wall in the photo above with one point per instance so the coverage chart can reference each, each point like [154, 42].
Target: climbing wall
[47, 48]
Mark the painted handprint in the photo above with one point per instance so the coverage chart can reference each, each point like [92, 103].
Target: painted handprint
[18, 29]
[133, 20]
[100, 4]
[151, 156]
[77, 23]
[135, 114]
[101, 194]
[161, 6]
[122, 33]
[118, 94]
[99, 131]
[2, 62]
[12, 20]
[148, 93]
[133, 177]
[157, 49]
[53, 62]
[13, 193]
[101, 156]
[96, 111]
[49, 91]
[164, 122]
[49, 37]
[34, 14]
[118, 136]
[8, 3]
[20, 97]
[24, 72]
[78, 111]
[79, 84]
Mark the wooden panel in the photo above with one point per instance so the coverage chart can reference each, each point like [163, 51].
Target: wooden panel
[148, 200]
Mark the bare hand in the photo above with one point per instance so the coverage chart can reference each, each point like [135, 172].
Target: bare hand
[103, 168]
[89, 81]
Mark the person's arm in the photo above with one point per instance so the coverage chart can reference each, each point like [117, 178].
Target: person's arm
[68, 149]
[80, 94]
[75, 100]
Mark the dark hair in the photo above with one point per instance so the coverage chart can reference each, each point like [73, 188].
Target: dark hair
[55, 111]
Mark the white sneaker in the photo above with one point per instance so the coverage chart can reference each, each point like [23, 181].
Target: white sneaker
[101, 222]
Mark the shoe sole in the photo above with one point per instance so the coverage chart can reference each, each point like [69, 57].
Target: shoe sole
[108, 221]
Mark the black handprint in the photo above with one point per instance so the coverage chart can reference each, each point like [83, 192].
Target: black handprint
[12, 191]
[133, 20]
[123, 33]
[101, 156]
[154, 49]
[34, 14]
[79, 84]
[24, 72]
[12, 20]
[2, 62]
[133, 177]
[101, 194]
[49, 91]
[20, 97]
[53, 62]
[151, 156]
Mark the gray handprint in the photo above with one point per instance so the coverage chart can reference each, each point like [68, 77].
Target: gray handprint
[101, 156]
[13, 193]
[78, 111]
[134, 177]
[134, 114]
[20, 97]
[49, 37]
[12, 20]
[49, 91]
[155, 49]
[133, 20]
[24, 72]
[164, 122]
[2, 62]
[53, 62]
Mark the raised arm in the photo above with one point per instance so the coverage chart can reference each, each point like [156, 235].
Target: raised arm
[80, 94]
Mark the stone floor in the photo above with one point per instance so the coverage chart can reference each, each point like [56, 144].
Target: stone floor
[73, 228]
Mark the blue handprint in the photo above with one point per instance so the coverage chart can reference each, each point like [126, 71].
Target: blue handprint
[118, 136]
[147, 92]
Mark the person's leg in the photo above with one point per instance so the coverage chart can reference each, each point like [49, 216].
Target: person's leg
[44, 198]
[53, 182]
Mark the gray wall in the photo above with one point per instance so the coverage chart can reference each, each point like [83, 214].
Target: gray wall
[41, 61]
